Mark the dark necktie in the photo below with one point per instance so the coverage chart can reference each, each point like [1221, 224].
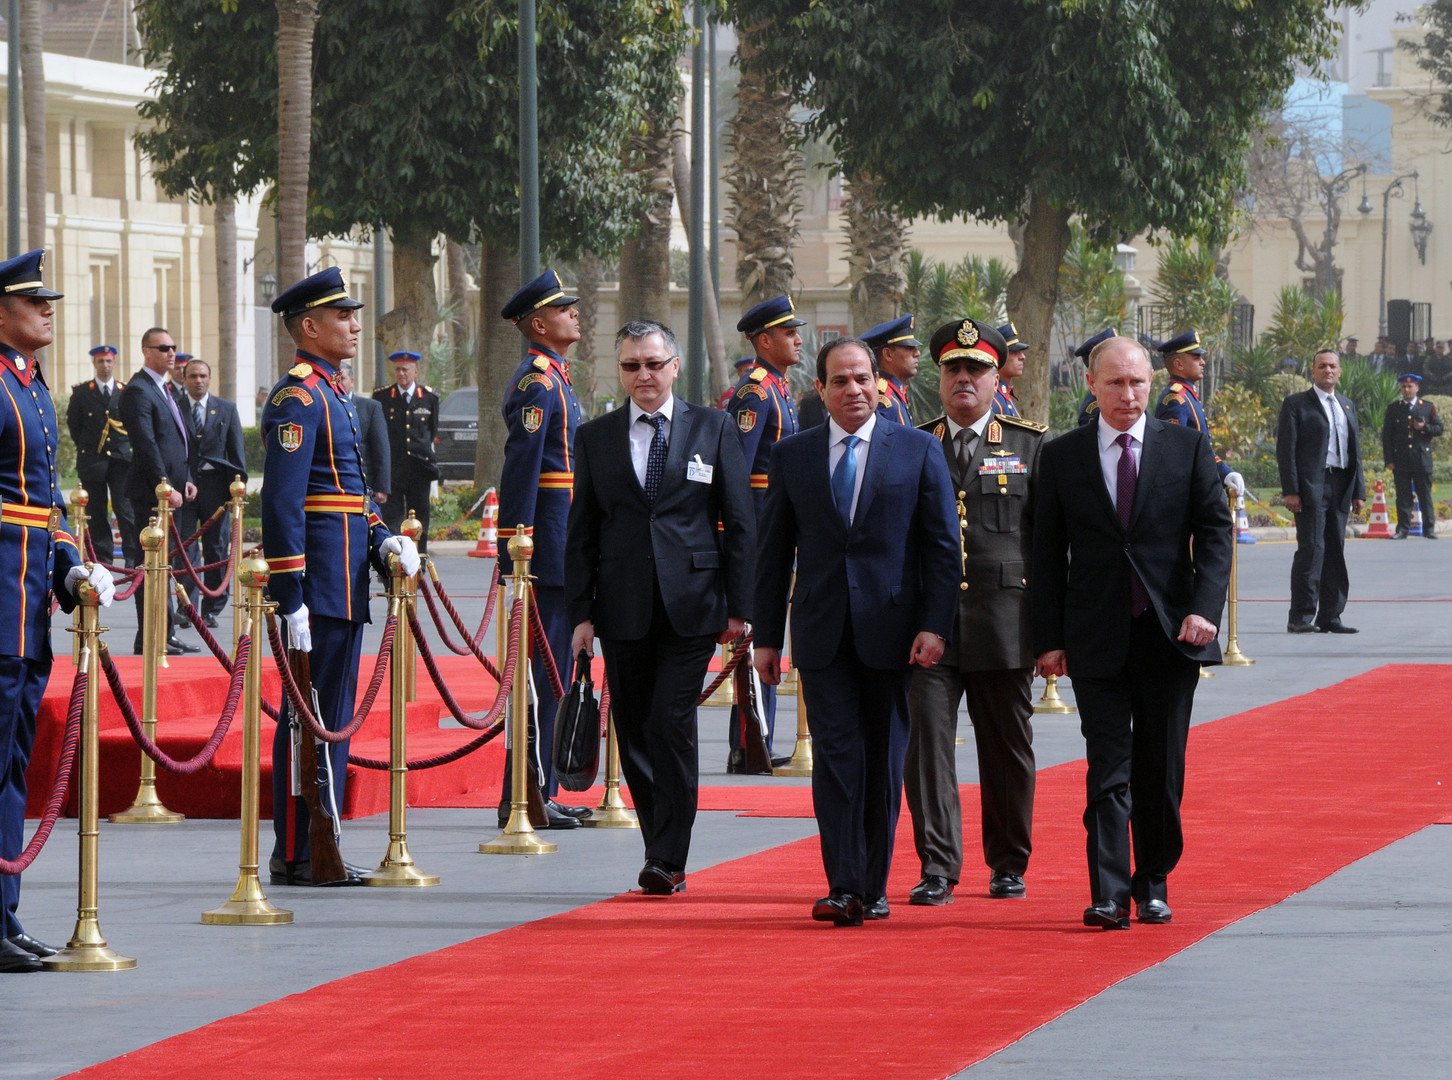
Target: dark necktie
[197, 416]
[1125, 483]
[655, 458]
[106, 396]
[844, 479]
[967, 438]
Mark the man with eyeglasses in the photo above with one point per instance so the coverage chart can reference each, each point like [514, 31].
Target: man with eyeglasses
[648, 569]
[160, 443]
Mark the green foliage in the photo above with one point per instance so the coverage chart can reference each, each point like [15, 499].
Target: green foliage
[252, 450]
[65, 450]
[1302, 324]
[1064, 410]
[1240, 422]
[1370, 391]
[1433, 52]
[1091, 290]
[1187, 282]
[937, 293]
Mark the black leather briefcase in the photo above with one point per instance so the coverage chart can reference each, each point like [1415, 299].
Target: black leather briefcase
[577, 731]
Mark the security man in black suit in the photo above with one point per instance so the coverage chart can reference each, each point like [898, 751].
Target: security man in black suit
[103, 449]
[372, 438]
[659, 563]
[411, 412]
[1407, 431]
[992, 460]
[1318, 449]
[217, 458]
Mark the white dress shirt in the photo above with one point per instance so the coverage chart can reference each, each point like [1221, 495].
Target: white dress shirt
[642, 434]
[836, 448]
[976, 427]
[1336, 450]
[1110, 451]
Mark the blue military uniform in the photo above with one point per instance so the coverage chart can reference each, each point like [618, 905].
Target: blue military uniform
[1004, 403]
[1179, 403]
[1089, 408]
[892, 394]
[36, 553]
[535, 488]
[320, 530]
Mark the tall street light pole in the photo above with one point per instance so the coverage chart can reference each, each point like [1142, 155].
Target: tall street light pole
[528, 146]
[696, 381]
[1394, 188]
[12, 141]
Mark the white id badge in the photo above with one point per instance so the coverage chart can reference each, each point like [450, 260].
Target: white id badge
[699, 471]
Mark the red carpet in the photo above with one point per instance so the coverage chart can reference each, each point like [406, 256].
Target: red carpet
[736, 981]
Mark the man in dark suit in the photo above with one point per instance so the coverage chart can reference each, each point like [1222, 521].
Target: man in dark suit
[103, 450]
[159, 442]
[1131, 562]
[372, 438]
[411, 413]
[864, 508]
[992, 460]
[658, 562]
[217, 458]
[1318, 448]
[1407, 430]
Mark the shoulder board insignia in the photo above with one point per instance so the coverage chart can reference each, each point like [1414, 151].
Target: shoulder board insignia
[746, 421]
[536, 377]
[292, 392]
[995, 432]
[300, 371]
[752, 390]
[757, 374]
[1175, 388]
[1019, 421]
[542, 363]
[938, 429]
[120, 384]
[1173, 399]
[882, 387]
[428, 389]
[1171, 419]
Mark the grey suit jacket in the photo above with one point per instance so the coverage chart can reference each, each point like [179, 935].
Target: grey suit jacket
[373, 438]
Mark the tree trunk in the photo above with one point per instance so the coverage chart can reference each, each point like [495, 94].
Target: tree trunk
[582, 367]
[32, 93]
[224, 221]
[499, 350]
[410, 325]
[876, 248]
[645, 258]
[296, 20]
[1032, 293]
[457, 322]
[715, 342]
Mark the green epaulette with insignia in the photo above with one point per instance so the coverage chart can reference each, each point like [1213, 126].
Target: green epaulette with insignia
[542, 363]
[300, 371]
[1019, 421]
[757, 374]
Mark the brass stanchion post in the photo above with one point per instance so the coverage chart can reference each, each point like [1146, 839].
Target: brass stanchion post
[725, 695]
[249, 905]
[519, 837]
[87, 949]
[1051, 702]
[397, 867]
[412, 528]
[612, 813]
[238, 491]
[801, 761]
[147, 807]
[1233, 657]
[80, 499]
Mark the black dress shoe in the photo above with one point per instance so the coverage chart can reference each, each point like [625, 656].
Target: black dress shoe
[839, 907]
[877, 910]
[658, 879]
[557, 820]
[1153, 911]
[1336, 627]
[181, 647]
[581, 812]
[1400, 534]
[1010, 885]
[932, 891]
[300, 872]
[210, 621]
[1107, 915]
[778, 762]
[1429, 535]
[32, 946]
[14, 960]
[1300, 628]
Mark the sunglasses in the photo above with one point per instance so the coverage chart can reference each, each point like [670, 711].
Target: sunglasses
[163, 348]
[649, 365]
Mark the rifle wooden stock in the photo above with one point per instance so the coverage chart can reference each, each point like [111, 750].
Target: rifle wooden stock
[327, 860]
[753, 731]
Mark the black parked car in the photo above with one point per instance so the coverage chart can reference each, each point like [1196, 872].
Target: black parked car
[458, 434]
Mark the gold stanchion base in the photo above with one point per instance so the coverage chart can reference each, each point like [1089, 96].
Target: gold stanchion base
[1235, 658]
[611, 817]
[88, 958]
[801, 762]
[147, 809]
[1051, 703]
[248, 906]
[397, 870]
[1206, 673]
[518, 837]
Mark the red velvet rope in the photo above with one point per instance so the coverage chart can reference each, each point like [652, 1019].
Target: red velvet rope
[61, 784]
[506, 683]
[488, 605]
[196, 572]
[470, 647]
[206, 526]
[294, 693]
[542, 647]
[740, 653]
[195, 764]
[195, 618]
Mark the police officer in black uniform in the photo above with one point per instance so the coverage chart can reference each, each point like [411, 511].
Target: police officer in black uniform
[103, 449]
[1407, 431]
[411, 412]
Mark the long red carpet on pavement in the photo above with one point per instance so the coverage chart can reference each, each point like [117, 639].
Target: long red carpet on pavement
[732, 979]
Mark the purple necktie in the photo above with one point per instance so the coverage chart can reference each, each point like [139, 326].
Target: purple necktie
[1125, 483]
[176, 415]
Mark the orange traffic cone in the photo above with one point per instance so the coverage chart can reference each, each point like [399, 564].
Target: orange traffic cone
[488, 545]
[1379, 527]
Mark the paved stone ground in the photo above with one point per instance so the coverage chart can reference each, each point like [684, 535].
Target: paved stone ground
[1352, 978]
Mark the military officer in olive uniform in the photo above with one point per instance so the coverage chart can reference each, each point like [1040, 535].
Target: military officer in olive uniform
[896, 353]
[411, 413]
[765, 414]
[103, 450]
[1184, 362]
[1004, 403]
[1407, 431]
[320, 531]
[1089, 408]
[535, 489]
[992, 459]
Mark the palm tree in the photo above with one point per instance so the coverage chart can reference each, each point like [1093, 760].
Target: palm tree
[876, 242]
[32, 94]
[296, 21]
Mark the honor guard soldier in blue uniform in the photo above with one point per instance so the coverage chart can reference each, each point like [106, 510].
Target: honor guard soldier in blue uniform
[896, 351]
[765, 414]
[1407, 430]
[1089, 408]
[319, 532]
[38, 559]
[1184, 361]
[1004, 403]
[103, 450]
[535, 488]
[411, 413]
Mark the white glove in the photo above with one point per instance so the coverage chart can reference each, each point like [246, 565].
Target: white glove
[1235, 482]
[405, 549]
[100, 579]
[298, 631]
